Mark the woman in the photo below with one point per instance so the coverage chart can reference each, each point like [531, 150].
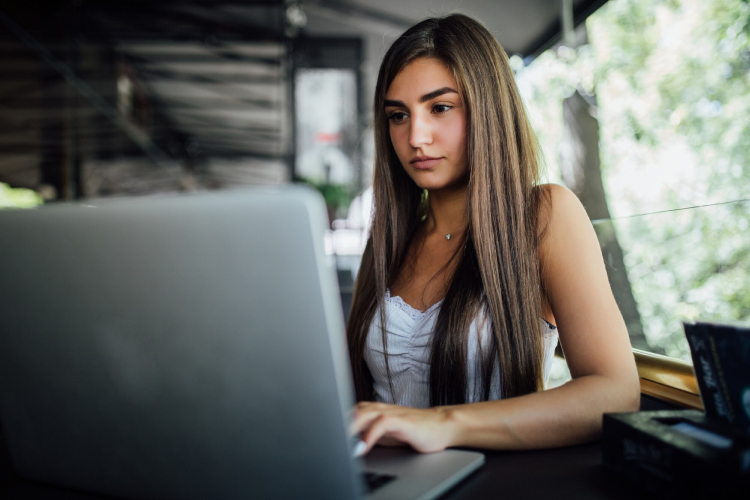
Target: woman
[471, 262]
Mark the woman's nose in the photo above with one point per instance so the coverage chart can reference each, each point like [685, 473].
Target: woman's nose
[420, 132]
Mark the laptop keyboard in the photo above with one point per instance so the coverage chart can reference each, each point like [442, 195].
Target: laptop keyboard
[374, 480]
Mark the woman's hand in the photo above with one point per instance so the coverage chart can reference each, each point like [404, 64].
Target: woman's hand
[426, 430]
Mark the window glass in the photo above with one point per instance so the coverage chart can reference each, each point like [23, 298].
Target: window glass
[326, 116]
[659, 92]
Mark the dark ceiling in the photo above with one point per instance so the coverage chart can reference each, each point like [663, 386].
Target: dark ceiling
[524, 27]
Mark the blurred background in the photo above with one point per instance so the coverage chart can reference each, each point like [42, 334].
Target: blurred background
[642, 108]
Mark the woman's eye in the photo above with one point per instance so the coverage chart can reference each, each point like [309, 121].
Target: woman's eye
[441, 108]
[397, 117]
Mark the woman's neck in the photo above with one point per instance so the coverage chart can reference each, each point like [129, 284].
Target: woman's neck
[447, 212]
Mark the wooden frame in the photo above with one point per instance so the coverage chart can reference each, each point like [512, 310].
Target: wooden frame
[664, 378]
[668, 379]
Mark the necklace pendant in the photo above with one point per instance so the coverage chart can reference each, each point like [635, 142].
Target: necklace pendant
[448, 236]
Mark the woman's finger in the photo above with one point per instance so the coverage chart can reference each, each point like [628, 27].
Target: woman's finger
[384, 426]
[366, 412]
[362, 420]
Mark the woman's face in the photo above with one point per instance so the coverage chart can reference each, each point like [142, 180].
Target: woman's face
[427, 124]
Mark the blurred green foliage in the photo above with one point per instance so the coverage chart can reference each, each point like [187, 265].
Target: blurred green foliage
[672, 83]
[338, 197]
[18, 197]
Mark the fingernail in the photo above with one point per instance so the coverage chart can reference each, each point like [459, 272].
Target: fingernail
[359, 449]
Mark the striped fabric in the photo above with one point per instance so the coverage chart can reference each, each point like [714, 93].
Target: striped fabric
[409, 332]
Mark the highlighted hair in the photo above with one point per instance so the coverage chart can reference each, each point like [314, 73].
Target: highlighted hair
[496, 272]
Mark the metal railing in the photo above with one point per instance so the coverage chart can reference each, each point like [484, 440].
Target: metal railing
[668, 379]
[664, 378]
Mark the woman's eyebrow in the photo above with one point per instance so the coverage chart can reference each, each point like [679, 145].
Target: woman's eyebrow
[435, 93]
[427, 97]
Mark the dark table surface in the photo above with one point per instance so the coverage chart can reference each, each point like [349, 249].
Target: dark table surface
[572, 472]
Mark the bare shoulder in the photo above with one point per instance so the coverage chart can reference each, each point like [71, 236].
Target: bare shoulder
[562, 221]
[592, 331]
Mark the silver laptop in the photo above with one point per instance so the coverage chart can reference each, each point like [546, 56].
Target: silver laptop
[187, 347]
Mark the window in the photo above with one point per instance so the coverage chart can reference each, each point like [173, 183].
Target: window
[663, 89]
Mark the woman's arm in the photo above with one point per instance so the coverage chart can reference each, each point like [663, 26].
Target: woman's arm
[597, 350]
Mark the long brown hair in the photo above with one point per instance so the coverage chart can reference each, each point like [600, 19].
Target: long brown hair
[497, 268]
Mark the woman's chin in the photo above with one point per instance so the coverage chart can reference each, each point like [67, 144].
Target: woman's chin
[428, 180]
[438, 184]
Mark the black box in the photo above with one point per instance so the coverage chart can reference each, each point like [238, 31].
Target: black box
[721, 362]
[678, 453]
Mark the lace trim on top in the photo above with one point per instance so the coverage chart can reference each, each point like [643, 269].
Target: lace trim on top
[416, 314]
[413, 313]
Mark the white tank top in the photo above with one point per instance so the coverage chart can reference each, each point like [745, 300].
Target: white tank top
[409, 332]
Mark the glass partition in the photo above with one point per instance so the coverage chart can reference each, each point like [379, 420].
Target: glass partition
[651, 105]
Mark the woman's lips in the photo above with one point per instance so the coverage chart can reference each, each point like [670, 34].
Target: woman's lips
[425, 164]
